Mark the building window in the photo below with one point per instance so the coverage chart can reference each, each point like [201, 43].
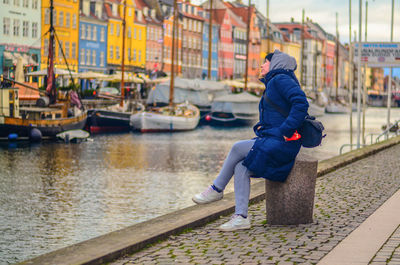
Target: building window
[34, 4]
[117, 52]
[134, 55]
[129, 32]
[67, 49]
[25, 3]
[94, 33]
[110, 53]
[111, 29]
[140, 55]
[93, 57]
[134, 33]
[88, 57]
[101, 58]
[129, 54]
[82, 55]
[6, 26]
[60, 48]
[46, 47]
[102, 32]
[16, 27]
[140, 34]
[54, 17]
[118, 29]
[34, 29]
[88, 32]
[73, 52]
[74, 21]
[67, 19]
[25, 28]
[83, 31]
[47, 16]
[61, 19]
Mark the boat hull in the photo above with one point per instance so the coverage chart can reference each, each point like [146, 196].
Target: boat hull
[108, 121]
[154, 122]
[230, 119]
[48, 128]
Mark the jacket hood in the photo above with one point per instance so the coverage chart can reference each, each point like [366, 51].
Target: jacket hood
[283, 61]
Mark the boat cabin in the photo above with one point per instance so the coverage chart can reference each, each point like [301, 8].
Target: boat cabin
[9, 102]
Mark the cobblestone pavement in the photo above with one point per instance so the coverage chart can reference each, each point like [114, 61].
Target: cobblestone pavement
[390, 251]
[344, 199]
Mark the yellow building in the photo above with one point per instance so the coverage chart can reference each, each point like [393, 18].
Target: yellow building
[135, 36]
[272, 47]
[65, 21]
[138, 43]
[293, 49]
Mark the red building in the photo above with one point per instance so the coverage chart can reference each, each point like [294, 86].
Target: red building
[192, 39]
[225, 49]
[254, 37]
[329, 53]
[154, 37]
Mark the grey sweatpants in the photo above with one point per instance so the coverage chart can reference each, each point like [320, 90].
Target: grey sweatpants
[233, 166]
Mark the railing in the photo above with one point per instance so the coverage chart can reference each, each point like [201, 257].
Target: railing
[394, 129]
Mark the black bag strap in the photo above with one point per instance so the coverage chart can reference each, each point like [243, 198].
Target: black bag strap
[276, 107]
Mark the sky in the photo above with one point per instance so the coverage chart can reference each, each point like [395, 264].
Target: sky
[323, 12]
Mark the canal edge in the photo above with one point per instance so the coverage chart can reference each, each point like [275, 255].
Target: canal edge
[116, 244]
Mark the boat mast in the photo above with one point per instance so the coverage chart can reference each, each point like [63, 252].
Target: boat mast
[171, 85]
[123, 57]
[248, 45]
[302, 51]
[337, 59]
[209, 39]
[51, 88]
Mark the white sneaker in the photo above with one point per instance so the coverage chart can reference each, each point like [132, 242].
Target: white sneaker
[207, 196]
[237, 222]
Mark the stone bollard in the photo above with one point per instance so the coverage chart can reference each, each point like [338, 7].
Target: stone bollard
[292, 202]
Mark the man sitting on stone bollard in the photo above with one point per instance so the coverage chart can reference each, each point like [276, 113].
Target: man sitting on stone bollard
[271, 154]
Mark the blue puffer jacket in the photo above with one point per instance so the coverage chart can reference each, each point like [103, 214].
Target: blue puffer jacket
[271, 156]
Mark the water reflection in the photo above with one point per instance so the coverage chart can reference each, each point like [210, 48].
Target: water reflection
[53, 194]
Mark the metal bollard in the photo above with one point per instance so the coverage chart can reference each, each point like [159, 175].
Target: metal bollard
[292, 202]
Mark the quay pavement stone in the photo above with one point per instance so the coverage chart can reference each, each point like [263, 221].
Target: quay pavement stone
[390, 250]
[344, 199]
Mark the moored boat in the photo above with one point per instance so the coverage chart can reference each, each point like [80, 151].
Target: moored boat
[179, 117]
[234, 109]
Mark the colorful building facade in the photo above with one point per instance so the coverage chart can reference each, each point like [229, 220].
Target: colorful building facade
[192, 40]
[214, 50]
[20, 33]
[92, 38]
[66, 24]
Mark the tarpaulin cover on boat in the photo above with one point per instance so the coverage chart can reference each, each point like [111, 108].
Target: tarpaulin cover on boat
[195, 91]
[243, 103]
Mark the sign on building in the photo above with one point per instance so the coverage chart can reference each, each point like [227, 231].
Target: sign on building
[379, 54]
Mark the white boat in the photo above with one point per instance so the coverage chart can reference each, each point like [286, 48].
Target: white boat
[336, 108]
[180, 117]
[234, 109]
[314, 109]
[198, 92]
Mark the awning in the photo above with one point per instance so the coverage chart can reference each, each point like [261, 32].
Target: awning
[27, 59]
[43, 72]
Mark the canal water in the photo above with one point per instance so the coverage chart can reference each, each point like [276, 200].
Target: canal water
[53, 194]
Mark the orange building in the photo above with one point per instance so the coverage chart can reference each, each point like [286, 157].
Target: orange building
[167, 62]
[254, 38]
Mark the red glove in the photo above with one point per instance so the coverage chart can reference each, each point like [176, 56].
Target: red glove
[296, 136]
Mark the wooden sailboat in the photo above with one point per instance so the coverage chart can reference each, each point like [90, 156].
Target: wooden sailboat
[115, 118]
[50, 116]
[174, 117]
